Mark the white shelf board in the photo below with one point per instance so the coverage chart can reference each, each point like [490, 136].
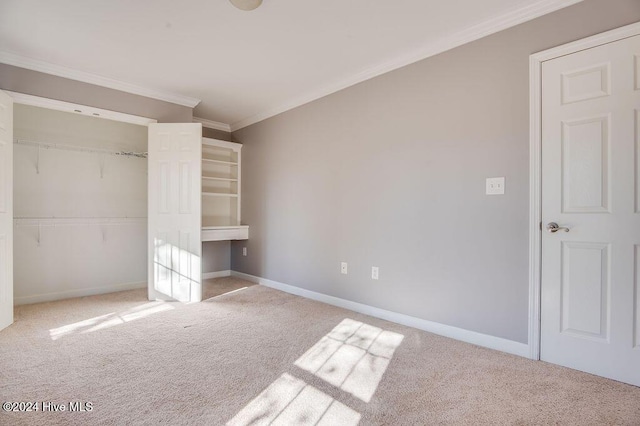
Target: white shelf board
[219, 178]
[219, 194]
[225, 233]
[228, 163]
[209, 228]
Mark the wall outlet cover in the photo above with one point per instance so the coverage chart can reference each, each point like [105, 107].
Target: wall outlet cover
[374, 273]
[495, 186]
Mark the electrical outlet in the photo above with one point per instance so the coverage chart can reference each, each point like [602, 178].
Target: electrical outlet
[495, 186]
[374, 272]
[343, 268]
[244, 251]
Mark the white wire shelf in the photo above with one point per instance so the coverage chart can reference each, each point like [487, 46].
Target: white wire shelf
[76, 221]
[47, 145]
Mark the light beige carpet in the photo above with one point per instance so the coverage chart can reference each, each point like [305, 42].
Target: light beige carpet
[257, 355]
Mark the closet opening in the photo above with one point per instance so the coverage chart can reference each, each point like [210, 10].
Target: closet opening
[80, 200]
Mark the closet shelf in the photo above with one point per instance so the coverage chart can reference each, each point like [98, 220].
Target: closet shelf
[213, 228]
[74, 221]
[219, 194]
[228, 163]
[220, 179]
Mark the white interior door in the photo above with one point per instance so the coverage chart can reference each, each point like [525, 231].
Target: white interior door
[6, 210]
[590, 185]
[175, 248]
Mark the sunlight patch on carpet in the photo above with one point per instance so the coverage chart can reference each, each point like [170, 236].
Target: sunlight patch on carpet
[110, 320]
[353, 357]
[291, 401]
[227, 293]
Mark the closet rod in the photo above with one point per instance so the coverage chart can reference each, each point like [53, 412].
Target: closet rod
[46, 145]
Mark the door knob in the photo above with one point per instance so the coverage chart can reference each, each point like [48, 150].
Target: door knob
[554, 227]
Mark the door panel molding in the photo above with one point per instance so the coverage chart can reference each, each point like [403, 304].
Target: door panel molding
[578, 147]
[535, 162]
[585, 319]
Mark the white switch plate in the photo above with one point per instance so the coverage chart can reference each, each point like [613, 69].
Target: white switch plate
[374, 272]
[244, 251]
[495, 186]
[343, 268]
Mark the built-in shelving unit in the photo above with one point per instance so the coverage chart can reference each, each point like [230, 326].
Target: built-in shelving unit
[221, 197]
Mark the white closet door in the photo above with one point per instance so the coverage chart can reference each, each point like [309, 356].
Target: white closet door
[175, 248]
[6, 210]
[590, 261]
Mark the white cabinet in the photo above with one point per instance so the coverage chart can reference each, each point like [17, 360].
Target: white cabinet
[221, 191]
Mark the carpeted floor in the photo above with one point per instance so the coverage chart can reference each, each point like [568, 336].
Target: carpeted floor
[257, 356]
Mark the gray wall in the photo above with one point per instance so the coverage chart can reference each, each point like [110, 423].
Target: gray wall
[215, 254]
[391, 173]
[216, 134]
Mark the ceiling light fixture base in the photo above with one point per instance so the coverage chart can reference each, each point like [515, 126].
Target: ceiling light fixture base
[246, 4]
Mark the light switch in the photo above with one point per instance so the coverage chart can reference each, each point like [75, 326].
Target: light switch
[495, 186]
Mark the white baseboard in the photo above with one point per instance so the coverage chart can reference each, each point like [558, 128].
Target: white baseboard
[68, 294]
[484, 340]
[217, 274]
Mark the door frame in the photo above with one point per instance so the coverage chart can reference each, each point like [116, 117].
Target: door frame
[535, 164]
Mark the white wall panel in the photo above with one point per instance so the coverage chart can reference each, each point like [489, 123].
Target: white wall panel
[637, 163]
[3, 261]
[636, 303]
[3, 177]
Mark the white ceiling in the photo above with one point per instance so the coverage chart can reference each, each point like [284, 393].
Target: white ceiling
[246, 66]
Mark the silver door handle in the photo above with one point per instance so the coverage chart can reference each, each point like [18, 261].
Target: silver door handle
[554, 227]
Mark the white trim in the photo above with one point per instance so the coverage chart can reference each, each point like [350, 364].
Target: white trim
[217, 274]
[484, 340]
[24, 99]
[210, 124]
[535, 164]
[535, 207]
[98, 80]
[467, 35]
[49, 297]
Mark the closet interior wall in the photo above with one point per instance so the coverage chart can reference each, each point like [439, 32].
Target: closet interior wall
[80, 206]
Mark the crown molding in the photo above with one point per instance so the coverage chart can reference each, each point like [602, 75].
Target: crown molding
[98, 80]
[467, 35]
[212, 124]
